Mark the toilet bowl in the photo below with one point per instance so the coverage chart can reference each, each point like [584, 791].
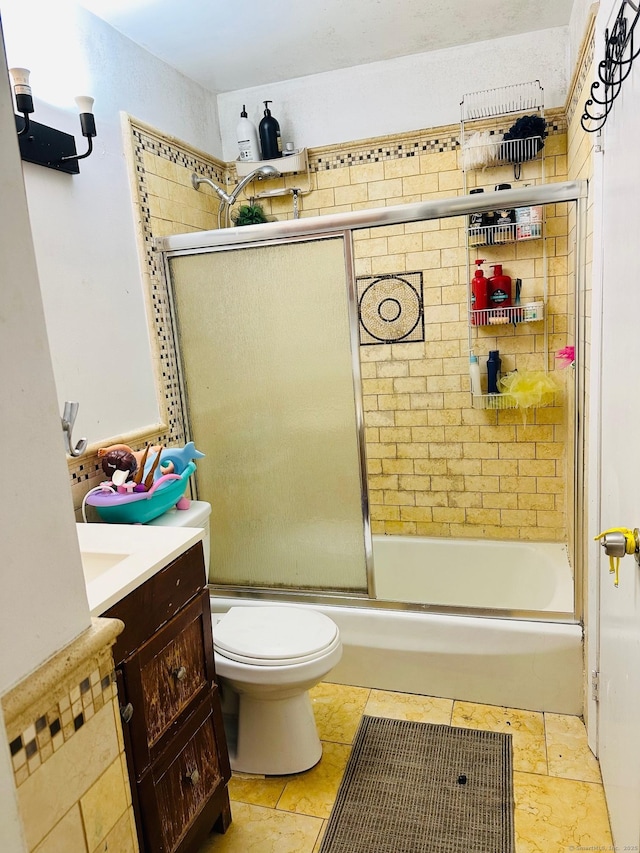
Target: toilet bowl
[267, 658]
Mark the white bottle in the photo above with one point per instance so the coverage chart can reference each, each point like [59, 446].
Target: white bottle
[474, 375]
[247, 137]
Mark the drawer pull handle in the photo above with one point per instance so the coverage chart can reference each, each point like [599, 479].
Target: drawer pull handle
[180, 673]
[193, 777]
[126, 712]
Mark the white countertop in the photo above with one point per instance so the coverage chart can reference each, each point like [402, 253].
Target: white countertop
[117, 558]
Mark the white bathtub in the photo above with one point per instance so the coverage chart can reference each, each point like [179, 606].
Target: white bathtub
[515, 662]
[473, 573]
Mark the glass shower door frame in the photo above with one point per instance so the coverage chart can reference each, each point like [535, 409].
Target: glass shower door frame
[346, 237]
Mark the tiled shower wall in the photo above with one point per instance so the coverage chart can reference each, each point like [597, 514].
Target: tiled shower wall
[437, 466]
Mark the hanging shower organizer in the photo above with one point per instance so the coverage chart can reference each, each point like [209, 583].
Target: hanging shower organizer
[489, 160]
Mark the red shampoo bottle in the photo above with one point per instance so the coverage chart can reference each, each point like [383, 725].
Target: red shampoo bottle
[499, 291]
[479, 296]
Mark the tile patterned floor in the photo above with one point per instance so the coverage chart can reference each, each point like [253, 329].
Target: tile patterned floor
[559, 800]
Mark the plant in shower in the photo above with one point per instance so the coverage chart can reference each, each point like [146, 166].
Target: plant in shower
[249, 214]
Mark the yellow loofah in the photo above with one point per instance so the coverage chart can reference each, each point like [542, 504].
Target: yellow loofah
[529, 389]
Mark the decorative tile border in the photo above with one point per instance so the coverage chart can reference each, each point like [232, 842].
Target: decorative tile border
[60, 721]
[584, 69]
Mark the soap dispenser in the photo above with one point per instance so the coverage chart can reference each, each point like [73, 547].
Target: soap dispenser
[247, 137]
[270, 140]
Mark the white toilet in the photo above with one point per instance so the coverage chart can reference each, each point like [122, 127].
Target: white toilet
[267, 658]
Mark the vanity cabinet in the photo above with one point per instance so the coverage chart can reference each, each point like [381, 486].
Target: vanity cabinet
[170, 706]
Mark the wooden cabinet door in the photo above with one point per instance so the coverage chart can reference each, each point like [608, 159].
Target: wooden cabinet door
[165, 676]
[184, 791]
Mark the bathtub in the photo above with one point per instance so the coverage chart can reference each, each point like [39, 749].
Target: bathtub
[534, 576]
[519, 660]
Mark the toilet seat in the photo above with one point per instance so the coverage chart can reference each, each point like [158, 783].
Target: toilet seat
[275, 636]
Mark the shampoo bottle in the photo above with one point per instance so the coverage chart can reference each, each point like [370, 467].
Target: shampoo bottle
[479, 296]
[247, 137]
[493, 371]
[270, 140]
[499, 288]
[474, 375]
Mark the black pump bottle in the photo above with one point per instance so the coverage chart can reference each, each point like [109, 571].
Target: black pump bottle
[269, 130]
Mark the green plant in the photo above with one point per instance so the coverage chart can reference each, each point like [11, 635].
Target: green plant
[249, 214]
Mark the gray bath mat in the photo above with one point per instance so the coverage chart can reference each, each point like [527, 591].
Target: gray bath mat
[423, 788]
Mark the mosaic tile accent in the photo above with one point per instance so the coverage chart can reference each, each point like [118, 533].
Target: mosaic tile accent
[408, 145]
[390, 308]
[59, 722]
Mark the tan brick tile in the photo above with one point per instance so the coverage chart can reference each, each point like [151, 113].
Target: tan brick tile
[500, 467]
[385, 513]
[437, 417]
[351, 194]
[405, 243]
[413, 482]
[500, 500]
[462, 433]
[370, 248]
[385, 481]
[482, 484]
[431, 499]
[517, 450]
[366, 172]
[388, 264]
[400, 528]
[382, 451]
[431, 466]
[465, 499]
[333, 178]
[517, 517]
[427, 401]
[537, 501]
[551, 450]
[432, 529]
[395, 434]
[518, 484]
[448, 484]
[550, 485]
[482, 516]
[394, 401]
[377, 386]
[550, 519]
[464, 466]
[449, 514]
[537, 468]
[430, 367]
[397, 466]
[382, 190]
[410, 385]
[424, 260]
[413, 451]
[420, 185]
[376, 418]
[399, 499]
[438, 162]
[404, 167]
[374, 466]
[481, 450]
[421, 434]
[422, 514]
[414, 417]
[446, 450]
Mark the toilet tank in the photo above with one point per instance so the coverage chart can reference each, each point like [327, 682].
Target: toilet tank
[196, 516]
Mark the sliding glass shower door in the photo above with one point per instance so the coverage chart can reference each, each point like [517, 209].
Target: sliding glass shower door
[265, 345]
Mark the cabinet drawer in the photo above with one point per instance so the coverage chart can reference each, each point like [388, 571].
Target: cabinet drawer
[152, 604]
[167, 675]
[181, 786]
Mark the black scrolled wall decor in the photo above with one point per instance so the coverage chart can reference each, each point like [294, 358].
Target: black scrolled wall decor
[613, 70]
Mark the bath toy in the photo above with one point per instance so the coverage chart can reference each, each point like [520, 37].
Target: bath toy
[128, 499]
[119, 466]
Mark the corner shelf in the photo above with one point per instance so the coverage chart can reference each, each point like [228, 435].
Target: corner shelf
[296, 162]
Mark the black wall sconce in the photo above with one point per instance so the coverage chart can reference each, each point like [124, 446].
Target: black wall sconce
[43, 145]
[620, 52]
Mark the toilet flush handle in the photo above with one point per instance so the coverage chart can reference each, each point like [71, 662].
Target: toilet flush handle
[617, 542]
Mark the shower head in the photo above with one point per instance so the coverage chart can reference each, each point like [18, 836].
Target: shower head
[261, 172]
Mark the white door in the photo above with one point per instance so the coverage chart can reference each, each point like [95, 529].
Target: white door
[619, 720]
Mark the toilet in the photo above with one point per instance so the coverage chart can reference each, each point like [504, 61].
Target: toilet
[267, 658]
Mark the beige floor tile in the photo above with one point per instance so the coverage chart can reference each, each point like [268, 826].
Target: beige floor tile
[557, 815]
[409, 706]
[338, 709]
[321, 836]
[568, 752]
[255, 829]
[259, 791]
[526, 728]
[314, 792]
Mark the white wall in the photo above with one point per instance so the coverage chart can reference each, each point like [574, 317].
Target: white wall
[43, 604]
[580, 13]
[83, 226]
[399, 95]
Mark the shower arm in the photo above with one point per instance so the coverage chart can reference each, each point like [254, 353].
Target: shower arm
[229, 199]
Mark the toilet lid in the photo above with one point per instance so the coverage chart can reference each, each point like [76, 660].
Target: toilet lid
[273, 636]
